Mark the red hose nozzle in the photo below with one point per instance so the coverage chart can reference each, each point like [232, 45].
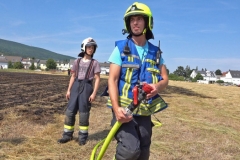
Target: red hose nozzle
[147, 88]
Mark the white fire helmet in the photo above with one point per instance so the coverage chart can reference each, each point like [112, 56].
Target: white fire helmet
[88, 42]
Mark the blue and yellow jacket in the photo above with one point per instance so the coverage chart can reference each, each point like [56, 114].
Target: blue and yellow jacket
[133, 72]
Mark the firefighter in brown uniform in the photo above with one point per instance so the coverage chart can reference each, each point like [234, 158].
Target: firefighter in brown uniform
[81, 92]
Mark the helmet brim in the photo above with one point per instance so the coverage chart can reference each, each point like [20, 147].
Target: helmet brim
[91, 44]
[136, 14]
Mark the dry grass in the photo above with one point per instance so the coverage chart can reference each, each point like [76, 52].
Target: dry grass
[201, 122]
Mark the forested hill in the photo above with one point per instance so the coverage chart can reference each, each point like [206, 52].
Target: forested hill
[10, 48]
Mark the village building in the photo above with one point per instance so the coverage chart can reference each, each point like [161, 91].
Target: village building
[231, 76]
[27, 62]
[104, 68]
[62, 65]
[4, 60]
[42, 64]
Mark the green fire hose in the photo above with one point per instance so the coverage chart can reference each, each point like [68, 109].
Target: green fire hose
[139, 93]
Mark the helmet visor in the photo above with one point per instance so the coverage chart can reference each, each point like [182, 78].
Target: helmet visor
[91, 44]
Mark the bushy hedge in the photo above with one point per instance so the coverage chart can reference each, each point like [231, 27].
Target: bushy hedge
[219, 81]
[175, 77]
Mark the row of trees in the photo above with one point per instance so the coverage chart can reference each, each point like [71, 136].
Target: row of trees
[16, 65]
[50, 64]
[182, 74]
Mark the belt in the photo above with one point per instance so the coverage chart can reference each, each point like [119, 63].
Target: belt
[85, 80]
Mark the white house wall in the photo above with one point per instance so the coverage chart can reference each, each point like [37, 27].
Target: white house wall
[63, 67]
[231, 80]
[35, 64]
[228, 75]
[43, 66]
[4, 65]
[104, 70]
[236, 81]
[203, 81]
[210, 78]
[225, 79]
[193, 74]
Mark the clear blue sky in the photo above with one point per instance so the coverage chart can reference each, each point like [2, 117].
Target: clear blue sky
[198, 33]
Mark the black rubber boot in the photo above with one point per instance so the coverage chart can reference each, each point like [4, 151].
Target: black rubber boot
[82, 139]
[66, 137]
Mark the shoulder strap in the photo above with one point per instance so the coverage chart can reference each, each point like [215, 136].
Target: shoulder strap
[89, 69]
[122, 45]
[78, 61]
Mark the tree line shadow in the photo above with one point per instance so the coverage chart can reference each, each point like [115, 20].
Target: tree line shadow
[182, 91]
[14, 141]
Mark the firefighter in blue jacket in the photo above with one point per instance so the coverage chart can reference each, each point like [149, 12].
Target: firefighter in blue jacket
[135, 61]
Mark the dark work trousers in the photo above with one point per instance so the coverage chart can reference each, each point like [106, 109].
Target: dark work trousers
[79, 101]
[134, 139]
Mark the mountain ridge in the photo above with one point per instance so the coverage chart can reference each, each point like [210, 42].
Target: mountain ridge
[11, 48]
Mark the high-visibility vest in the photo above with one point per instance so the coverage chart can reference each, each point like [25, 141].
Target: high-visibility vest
[135, 71]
